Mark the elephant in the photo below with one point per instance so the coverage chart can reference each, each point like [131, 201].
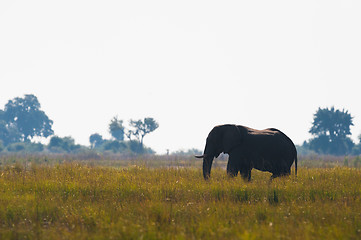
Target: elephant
[266, 150]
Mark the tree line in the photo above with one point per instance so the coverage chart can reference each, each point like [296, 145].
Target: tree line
[135, 134]
[22, 121]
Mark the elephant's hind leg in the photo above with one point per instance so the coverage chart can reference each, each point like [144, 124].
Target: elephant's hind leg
[246, 174]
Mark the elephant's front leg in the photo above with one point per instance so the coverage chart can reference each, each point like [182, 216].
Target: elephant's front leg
[232, 169]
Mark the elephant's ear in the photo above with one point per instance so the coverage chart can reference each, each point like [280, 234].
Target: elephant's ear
[233, 136]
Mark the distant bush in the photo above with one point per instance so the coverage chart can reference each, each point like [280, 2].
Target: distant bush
[65, 144]
[114, 146]
[25, 147]
[16, 147]
[123, 147]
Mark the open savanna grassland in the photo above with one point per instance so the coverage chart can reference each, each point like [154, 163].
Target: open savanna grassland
[77, 201]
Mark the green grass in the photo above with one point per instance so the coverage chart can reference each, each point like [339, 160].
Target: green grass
[76, 201]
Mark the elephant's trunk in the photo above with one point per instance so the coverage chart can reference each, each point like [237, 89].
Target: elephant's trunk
[207, 165]
[208, 155]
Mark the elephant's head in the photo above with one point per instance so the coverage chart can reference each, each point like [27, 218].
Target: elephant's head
[221, 139]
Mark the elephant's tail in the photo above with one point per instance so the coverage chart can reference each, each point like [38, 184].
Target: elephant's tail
[296, 165]
[295, 161]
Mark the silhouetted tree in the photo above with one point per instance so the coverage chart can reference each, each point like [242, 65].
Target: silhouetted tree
[142, 128]
[331, 129]
[116, 129]
[95, 140]
[25, 115]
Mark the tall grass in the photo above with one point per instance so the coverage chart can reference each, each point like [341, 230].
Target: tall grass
[76, 201]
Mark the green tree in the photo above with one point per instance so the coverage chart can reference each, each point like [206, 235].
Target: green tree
[95, 140]
[142, 128]
[116, 129]
[25, 114]
[331, 130]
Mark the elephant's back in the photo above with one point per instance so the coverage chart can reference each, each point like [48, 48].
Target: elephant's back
[274, 140]
[277, 131]
[264, 132]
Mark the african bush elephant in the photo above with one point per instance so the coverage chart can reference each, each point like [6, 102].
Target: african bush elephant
[266, 150]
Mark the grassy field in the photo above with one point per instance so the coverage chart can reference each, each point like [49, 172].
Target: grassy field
[79, 201]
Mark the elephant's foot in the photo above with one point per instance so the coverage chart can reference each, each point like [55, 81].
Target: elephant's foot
[246, 175]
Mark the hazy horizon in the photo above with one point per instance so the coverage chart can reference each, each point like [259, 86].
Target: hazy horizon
[190, 65]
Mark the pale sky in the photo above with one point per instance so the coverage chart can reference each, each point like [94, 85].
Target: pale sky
[191, 65]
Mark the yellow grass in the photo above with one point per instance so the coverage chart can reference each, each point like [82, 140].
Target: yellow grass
[73, 201]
